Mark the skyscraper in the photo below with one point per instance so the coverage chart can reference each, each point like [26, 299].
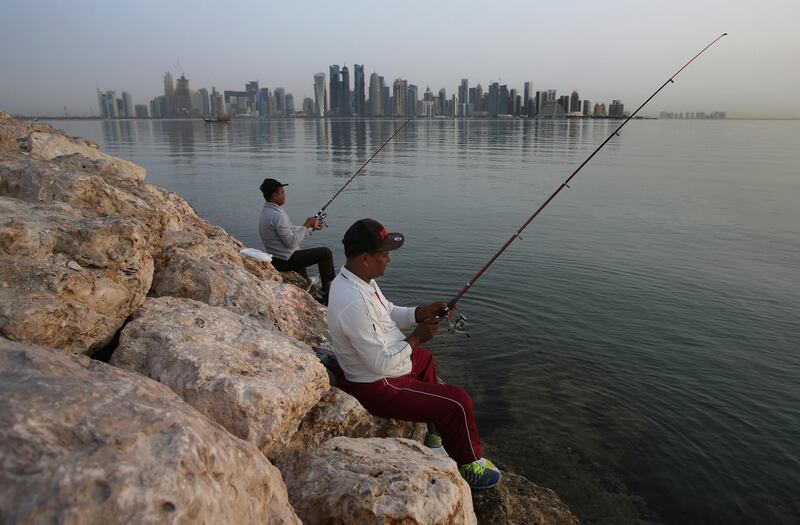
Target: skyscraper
[479, 99]
[359, 108]
[527, 98]
[107, 104]
[183, 100]
[333, 92]
[375, 105]
[319, 95]
[386, 97]
[463, 91]
[344, 95]
[289, 105]
[442, 102]
[494, 99]
[587, 108]
[616, 109]
[217, 102]
[512, 102]
[308, 107]
[574, 102]
[280, 101]
[503, 101]
[169, 94]
[127, 105]
[399, 97]
[411, 100]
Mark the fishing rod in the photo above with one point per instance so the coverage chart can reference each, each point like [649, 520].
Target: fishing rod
[321, 214]
[457, 325]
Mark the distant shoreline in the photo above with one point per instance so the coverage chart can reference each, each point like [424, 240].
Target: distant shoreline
[43, 117]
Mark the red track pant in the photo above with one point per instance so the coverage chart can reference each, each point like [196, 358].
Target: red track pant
[418, 397]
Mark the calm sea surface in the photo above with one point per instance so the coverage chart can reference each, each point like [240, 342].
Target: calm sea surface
[643, 334]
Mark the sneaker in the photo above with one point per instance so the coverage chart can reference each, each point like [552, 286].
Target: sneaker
[481, 474]
[321, 298]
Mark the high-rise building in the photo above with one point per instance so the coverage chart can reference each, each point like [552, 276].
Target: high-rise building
[527, 98]
[479, 105]
[204, 107]
[359, 108]
[375, 105]
[308, 107]
[334, 95]
[587, 108]
[158, 107]
[289, 105]
[616, 109]
[320, 105]
[107, 104]
[169, 94]
[280, 101]
[386, 97]
[463, 91]
[344, 95]
[411, 100]
[399, 97]
[574, 103]
[563, 101]
[599, 110]
[127, 106]
[442, 102]
[494, 99]
[140, 110]
[503, 101]
[217, 102]
[513, 105]
[183, 100]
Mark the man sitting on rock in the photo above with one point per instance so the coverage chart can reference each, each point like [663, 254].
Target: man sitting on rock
[390, 373]
[282, 239]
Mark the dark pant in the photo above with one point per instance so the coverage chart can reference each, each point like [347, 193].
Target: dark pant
[301, 259]
[419, 397]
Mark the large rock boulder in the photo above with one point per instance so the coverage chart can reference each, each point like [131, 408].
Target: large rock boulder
[518, 501]
[340, 414]
[190, 266]
[355, 481]
[84, 442]
[68, 281]
[257, 383]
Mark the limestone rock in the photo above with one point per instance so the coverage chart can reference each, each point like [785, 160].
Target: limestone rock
[355, 481]
[84, 442]
[48, 146]
[257, 383]
[189, 266]
[518, 501]
[340, 414]
[44, 300]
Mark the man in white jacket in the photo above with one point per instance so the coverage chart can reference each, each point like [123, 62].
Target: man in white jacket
[282, 239]
[388, 372]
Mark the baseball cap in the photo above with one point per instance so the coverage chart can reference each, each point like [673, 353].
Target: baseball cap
[368, 235]
[270, 186]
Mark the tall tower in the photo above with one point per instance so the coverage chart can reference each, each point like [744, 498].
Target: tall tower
[399, 97]
[463, 91]
[358, 88]
[169, 94]
[527, 98]
[574, 102]
[183, 99]
[280, 101]
[333, 92]
[127, 104]
[344, 94]
[375, 105]
[319, 94]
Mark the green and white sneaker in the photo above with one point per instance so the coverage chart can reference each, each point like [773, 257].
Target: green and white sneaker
[481, 474]
[433, 440]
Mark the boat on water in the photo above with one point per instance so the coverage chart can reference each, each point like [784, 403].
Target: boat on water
[218, 118]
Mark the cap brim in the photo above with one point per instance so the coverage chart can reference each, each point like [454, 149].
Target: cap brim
[392, 241]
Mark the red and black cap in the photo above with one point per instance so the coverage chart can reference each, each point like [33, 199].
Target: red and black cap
[368, 235]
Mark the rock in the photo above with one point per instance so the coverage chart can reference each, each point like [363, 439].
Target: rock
[48, 146]
[355, 481]
[50, 304]
[340, 414]
[84, 442]
[191, 267]
[518, 501]
[257, 383]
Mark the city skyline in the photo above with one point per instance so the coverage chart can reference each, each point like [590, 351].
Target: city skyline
[58, 55]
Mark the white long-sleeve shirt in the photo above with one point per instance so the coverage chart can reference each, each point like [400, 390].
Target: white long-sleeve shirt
[365, 328]
[280, 237]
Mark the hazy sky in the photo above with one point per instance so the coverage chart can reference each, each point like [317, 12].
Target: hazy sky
[56, 53]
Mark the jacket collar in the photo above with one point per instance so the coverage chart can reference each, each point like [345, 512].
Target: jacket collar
[359, 282]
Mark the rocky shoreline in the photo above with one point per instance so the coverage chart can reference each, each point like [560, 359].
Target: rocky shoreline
[150, 373]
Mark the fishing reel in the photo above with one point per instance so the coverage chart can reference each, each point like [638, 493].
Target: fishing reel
[457, 325]
[320, 216]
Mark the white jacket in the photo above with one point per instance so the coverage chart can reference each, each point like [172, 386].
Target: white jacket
[365, 328]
